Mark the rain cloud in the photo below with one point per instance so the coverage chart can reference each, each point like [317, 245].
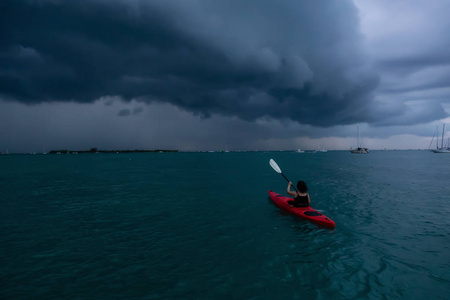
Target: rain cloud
[297, 60]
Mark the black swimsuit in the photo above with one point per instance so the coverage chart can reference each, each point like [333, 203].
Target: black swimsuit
[301, 201]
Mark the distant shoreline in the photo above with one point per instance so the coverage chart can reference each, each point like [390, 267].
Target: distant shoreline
[95, 150]
[65, 151]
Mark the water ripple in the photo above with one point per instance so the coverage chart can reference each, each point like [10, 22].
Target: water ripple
[199, 226]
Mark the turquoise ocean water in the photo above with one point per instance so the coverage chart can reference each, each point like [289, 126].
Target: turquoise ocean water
[201, 226]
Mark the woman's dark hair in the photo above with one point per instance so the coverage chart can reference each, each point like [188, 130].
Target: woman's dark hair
[301, 186]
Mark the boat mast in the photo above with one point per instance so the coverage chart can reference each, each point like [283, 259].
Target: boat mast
[434, 134]
[437, 137]
[357, 135]
[442, 142]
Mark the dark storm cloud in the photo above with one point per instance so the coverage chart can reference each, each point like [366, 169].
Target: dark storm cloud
[124, 112]
[137, 110]
[301, 60]
[128, 112]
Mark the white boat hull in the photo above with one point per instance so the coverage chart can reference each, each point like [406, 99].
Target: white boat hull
[441, 150]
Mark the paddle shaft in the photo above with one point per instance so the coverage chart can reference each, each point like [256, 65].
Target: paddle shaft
[289, 181]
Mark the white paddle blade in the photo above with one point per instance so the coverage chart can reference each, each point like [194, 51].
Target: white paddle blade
[274, 165]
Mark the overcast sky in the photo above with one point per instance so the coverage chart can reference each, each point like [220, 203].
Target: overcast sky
[215, 74]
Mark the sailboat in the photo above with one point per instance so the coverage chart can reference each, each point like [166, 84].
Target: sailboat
[359, 149]
[441, 149]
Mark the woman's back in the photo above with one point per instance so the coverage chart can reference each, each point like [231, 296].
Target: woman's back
[301, 197]
[301, 201]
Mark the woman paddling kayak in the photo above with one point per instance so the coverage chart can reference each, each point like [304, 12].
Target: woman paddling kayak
[287, 203]
[301, 199]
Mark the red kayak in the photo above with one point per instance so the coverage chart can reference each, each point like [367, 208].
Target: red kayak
[307, 213]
